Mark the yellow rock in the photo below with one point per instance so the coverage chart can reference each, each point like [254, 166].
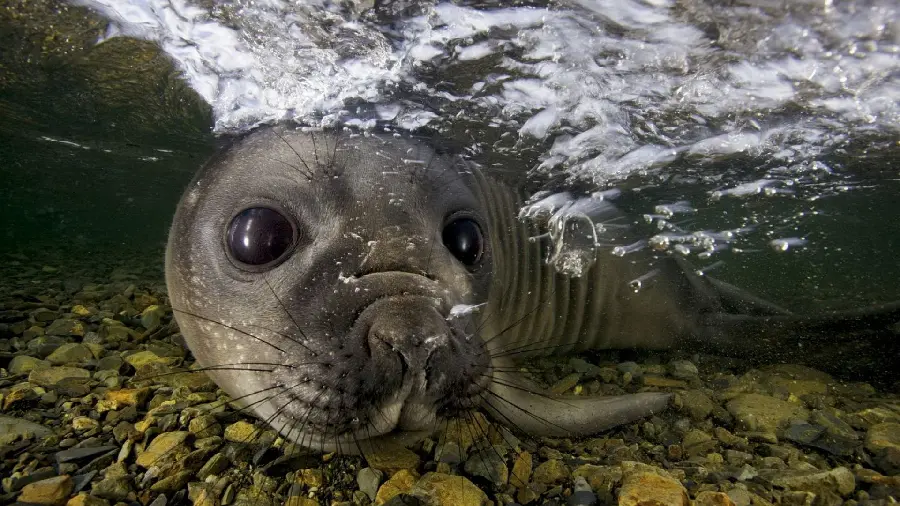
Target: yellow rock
[146, 357]
[300, 501]
[82, 423]
[390, 457]
[128, 396]
[400, 483]
[440, 489]
[521, 470]
[52, 491]
[709, 498]
[660, 381]
[165, 448]
[241, 432]
[81, 311]
[650, 489]
[53, 375]
[551, 472]
[85, 499]
[310, 477]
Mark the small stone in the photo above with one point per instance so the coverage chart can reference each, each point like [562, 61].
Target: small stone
[565, 384]
[110, 363]
[697, 443]
[449, 452]
[710, 498]
[390, 457]
[215, 465]
[115, 488]
[551, 472]
[696, 404]
[204, 426]
[146, 357]
[647, 488]
[241, 432]
[54, 375]
[128, 396]
[65, 327]
[24, 364]
[368, 480]
[400, 483]
[12, 428]
[85, 499]
[883, 441]
[311, 477]
[172, 483]
[683, 369]
[44, 315]
[839, 480]
[521, 471]
[83, 423]
[151, 317]
[769, 414]
[165, 449]
[488, 463]
[76, 454]
[52, 491]
[662, 382]
[440, 489]
[71, 353]
[601, 478]
[80, 310]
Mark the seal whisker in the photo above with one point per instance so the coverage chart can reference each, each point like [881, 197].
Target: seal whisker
[519, 321]
[307, 176]
[517, 351]
[229, 327]
[310, 175]
[289, 315]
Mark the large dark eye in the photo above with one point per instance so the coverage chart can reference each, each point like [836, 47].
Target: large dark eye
[464, 239]
[259, 235]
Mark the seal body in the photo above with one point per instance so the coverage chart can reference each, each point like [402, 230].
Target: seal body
[343, 287]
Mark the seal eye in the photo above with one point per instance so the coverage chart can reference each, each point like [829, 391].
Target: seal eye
[464, 239]
[259, 235]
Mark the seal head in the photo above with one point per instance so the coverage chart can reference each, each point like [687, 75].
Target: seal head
[325, 282]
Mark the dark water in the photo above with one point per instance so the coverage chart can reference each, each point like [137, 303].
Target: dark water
[98, 141]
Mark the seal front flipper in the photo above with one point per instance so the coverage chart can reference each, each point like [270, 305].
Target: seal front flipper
[523, 405]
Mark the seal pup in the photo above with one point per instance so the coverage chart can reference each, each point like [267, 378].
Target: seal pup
[343, 287]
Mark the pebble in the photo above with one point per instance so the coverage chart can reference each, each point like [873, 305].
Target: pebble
[71, 353]
[241, 432]
[165, 449]
[440, 489]
[768, 414]
[400, 483]
[521, 471]
[76, 454]
[368, 480]
[646, 488]
[550, 472]
[389, 457]
[85, 499]
[12, 428]
[24, 364]
[52, 376]
[51, 491]
[488, 463]
[582, 494]
[839, 480]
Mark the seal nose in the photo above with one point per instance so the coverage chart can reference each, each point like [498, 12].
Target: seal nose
[411, 328]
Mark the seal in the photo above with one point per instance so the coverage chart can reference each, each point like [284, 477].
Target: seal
[343, 287]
